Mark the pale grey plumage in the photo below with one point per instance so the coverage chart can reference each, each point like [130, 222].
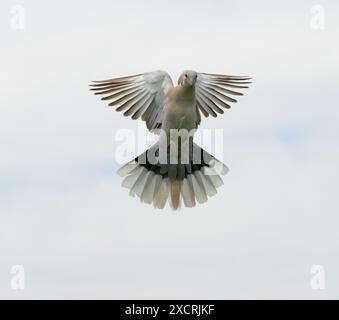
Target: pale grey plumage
[153, 98]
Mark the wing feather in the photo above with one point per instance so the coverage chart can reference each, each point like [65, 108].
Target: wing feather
[214, 101]
[139, 96]
[142, 106]
[135, 104]
[213, 93]
[204, 112]
[118, 93]
[223, 90]
[204, 105]
[126, 99]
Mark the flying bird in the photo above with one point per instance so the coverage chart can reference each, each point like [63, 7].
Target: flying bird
[175, 169]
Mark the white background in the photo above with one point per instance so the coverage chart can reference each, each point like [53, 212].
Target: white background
[63, 214]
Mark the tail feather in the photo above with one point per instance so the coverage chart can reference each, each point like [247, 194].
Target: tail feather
[176, 184]
[161, 196]
[148, 192]
[187, 194]
[132, 177]
[199, 191]
[127, 168]
[175, 194]
[209, 187]
[140, 183]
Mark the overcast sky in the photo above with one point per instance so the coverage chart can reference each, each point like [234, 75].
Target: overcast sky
[63, 214]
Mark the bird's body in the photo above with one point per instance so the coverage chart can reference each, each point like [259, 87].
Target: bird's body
[180, 110]
[174, 168]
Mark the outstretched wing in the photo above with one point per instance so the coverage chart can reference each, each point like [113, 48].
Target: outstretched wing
[214, 92]
[142, 95]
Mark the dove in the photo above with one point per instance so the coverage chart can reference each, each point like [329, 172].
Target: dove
[175, 169]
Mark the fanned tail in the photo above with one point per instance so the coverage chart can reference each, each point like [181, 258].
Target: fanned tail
[179, 184]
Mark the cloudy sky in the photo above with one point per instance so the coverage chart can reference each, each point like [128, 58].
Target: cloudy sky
[77, 233]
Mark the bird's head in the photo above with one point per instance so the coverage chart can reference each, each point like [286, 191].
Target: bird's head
[188, 78]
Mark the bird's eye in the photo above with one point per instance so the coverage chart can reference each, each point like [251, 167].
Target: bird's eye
[185, 75]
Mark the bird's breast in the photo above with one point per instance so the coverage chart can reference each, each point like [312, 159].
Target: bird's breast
[181, 115]
[181, 110]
